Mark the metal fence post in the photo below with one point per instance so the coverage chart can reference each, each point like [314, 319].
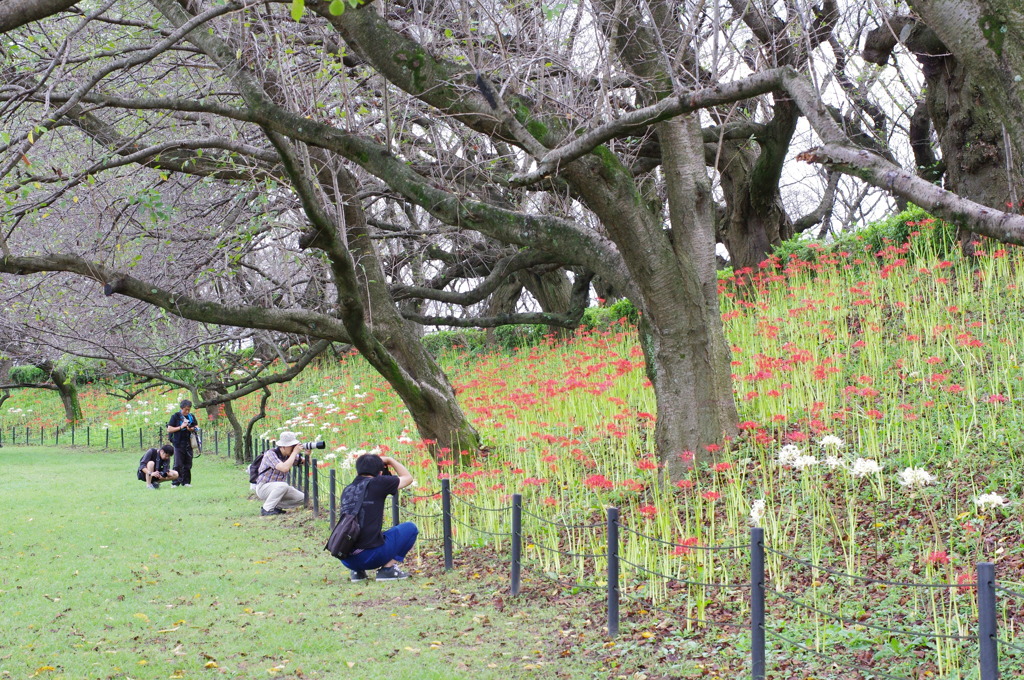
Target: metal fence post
[316, 489]
[757, 597]
[88, 435]
[304, 471]
[988, 654]
[106, 441]
[42, 433]
[394, 509]
[72, 434]
[228, 440]
[517, 540]
[216, 448]
[446, 521]
[613, 572]
[333, 499]
[122, 438]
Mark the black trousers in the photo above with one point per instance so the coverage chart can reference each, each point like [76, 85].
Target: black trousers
[183, 463]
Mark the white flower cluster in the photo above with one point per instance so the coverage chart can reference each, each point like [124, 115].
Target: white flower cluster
[830, 441]
[916, 478]
[990, 501]
[757, 510]
[833, 462]
[862, 467]
[790, 455]
[350, 456]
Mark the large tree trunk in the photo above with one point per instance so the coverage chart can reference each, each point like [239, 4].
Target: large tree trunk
[553, 291]
[421, 383]
[681, 327]
[973, 99]
[66, 389]
[366, 308]
[755, 220]
[243, 450]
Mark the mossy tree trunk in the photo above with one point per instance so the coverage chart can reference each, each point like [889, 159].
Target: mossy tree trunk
[66, 389]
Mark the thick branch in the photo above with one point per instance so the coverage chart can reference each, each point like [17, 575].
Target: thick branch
[15, 13]
[499, 273]
[300, 322]
[263, 382]
[975, 217]
[638, 120]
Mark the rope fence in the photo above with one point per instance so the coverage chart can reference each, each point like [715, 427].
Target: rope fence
[753, 594]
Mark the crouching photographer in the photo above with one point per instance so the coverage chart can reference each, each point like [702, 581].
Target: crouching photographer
[272, 480]
[155, 466]
[377, 478]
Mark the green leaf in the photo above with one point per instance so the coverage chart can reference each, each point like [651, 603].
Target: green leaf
[337, 7]
[298, 7]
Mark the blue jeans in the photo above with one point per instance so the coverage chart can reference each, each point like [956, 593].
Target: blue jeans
[398, 540]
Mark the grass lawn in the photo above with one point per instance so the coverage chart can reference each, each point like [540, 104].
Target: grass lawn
[102, 578]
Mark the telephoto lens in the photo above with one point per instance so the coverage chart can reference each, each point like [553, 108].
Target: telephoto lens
[309, 446]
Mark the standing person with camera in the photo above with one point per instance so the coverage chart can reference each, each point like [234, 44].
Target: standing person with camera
[373, 548]
[180, 428]
[272, 483]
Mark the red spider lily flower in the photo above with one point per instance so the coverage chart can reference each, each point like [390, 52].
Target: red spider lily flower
[934, 360]
[686, 456]
[749, 425]
[712, 448]
[497, 487]
[996, 399]
[874, 413]
[550, 502]
[534, 481]
[464, 489]
[684, 484]
[965, 583]
[632, 485]
[647, 464]
[648, 511]
[598, 482]
[721, 467]
[938, 557]
[683, 548]
[711, 496]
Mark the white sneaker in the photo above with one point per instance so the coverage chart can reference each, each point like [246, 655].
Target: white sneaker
[188, 485]
[152, 486]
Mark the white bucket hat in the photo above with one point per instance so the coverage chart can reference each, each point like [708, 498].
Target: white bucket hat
[288, 439]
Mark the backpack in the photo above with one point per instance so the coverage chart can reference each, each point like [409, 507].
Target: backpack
[345, 533]
[254, 468]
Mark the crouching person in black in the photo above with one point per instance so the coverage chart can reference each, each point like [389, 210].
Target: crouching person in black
[374, 549]
[155, 466]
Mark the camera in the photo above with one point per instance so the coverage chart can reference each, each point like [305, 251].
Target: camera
[309, 446]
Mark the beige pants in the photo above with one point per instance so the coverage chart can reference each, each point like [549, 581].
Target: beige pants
[279, 495]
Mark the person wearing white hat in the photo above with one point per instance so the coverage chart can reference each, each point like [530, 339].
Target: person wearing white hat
[272, 482]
